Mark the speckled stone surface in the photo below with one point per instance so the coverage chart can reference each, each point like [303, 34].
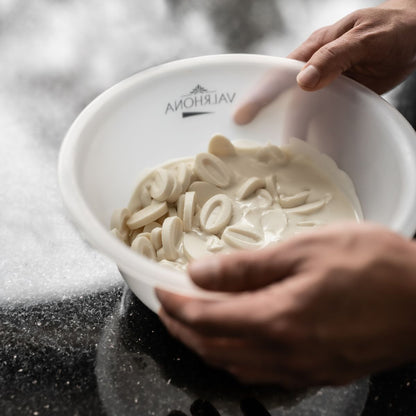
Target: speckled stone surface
[138, 364]
[73, 340]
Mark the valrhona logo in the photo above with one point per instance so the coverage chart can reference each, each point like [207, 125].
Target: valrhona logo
[199, 101]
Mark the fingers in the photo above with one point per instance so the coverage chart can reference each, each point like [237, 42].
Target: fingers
[207, 317]
[330, 61]
[239, 316]
[321, 37]
[222, 350]
[247, 358]
[356, 45]
[328, 52]
[273, 83]
[245, 270]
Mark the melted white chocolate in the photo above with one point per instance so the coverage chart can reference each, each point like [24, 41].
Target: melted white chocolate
[232, 197]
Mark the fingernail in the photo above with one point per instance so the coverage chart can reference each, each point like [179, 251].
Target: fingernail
[308, 77]
[204, 269]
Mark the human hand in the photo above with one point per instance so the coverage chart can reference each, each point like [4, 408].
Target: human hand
[374, 46]
[321, 308]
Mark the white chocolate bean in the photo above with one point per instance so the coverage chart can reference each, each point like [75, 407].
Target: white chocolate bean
[176, 192]
[162, 185]
[309, 223]
[119, 224]
[270, 183]
[220, 146]
[172, 230]
[216, 214]
[307, 208]
[141, 197]
[133, 234]
[147, 215]
[242, 237]
[204, 191]
[121, 236]
[214, 243]
[119, 219]
[184, 172]
[266, 198]
[271, 153]
[196, 223]
[156, 237]
[189, 206]
[144, 197]
[212, 169]
[172, 212]
[273, 221]
[180, 205]
[279, 155]
[249, 186]
[160, 254]
[292, 201]
[149, 227]
[171, 264]
[142, 245]
[163, 217]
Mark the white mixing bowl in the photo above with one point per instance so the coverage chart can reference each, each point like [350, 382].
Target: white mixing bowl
[172, 110]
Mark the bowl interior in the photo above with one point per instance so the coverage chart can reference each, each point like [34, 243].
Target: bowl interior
[171, 112]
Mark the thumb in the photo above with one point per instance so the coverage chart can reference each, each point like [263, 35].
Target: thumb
[243, 270]
[330, 61]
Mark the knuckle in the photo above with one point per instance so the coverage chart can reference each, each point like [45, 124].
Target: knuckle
[359, 15]
[319, 35]
[328, 52]
[333, 57]
[365, 37]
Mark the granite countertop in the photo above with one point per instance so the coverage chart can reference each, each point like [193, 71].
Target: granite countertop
[74, 340]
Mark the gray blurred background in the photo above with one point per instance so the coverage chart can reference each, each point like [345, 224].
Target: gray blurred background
[55, 57]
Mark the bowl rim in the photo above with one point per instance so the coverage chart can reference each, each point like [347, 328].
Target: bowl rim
[90, 227]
